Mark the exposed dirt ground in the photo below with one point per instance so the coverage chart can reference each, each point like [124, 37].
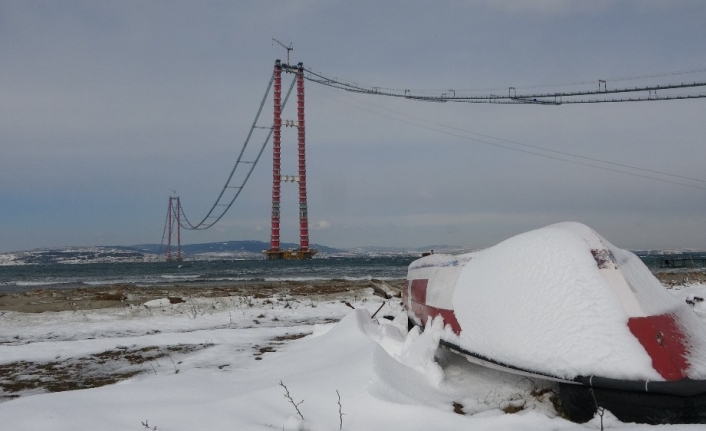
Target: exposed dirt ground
[122, 295]
[26, 378]
[23, 378]
[681, 277]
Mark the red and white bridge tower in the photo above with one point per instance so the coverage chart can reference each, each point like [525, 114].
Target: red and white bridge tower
[275, 252]
[174, 221]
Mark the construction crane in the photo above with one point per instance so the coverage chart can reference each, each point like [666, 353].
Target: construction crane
[288, 48]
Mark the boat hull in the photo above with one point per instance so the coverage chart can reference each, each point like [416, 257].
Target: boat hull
[581, 403]
[662, 391]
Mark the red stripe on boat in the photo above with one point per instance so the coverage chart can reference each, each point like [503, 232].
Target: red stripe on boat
[664, 341]
[418, 306]
[418, 291]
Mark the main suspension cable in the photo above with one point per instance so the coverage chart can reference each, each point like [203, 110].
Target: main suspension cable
[557, 98]
[164, 235]
[531, 149]
[210, 219]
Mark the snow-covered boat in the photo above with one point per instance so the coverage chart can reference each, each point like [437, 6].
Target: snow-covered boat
[563, 304]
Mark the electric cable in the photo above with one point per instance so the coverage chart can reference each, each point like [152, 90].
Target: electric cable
[203, 225]
[534, 153]
[557, 98]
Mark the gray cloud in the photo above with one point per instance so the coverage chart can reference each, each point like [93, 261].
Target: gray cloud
[105, 107]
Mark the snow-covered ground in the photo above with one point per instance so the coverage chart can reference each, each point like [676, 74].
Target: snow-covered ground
[227, 364]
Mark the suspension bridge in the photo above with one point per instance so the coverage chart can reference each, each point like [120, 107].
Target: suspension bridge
[231, 190]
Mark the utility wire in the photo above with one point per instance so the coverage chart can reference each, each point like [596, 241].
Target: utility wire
[564, 84]
[232, 172]
[530, 152]
[203, 225]
[164, 233]
[512, 97]
[536, 147]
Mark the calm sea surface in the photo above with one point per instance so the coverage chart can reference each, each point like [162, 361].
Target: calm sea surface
[194, 273]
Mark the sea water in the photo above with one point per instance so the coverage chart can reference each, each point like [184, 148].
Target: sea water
[194, 273]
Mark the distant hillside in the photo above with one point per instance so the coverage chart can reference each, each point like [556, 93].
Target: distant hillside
[654, 259]
[146, 253]
[75, 255]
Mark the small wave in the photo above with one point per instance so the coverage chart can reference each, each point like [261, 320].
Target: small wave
[106, 282]
[235, 279]
[179, 277]
[38, 283]
[297, 278]
[368, 278]
[333, 277]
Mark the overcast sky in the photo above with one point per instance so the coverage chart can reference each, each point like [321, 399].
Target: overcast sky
[106, 106]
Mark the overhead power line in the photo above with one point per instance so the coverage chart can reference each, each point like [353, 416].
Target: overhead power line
[602, 95]
[534, 150]
[222, 202]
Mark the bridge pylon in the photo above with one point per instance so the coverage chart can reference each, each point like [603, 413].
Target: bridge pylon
[174, 222]
[304, 251]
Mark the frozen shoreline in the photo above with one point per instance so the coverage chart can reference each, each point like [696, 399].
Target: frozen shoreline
[218, 358]
[124, 295]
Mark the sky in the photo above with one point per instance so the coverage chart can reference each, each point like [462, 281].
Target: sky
[106, 107]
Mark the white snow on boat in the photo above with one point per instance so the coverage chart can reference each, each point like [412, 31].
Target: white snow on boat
[563, 302]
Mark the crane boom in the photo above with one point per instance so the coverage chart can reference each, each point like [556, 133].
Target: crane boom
[288, 48]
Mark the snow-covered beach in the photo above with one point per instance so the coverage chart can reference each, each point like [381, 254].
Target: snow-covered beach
[226, 361]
